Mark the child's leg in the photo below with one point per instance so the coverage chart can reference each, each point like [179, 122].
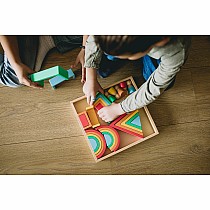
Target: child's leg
[67, 43]
[109, 64]
[62, 43]
[27, 50]
[7, 74]
[46, 43]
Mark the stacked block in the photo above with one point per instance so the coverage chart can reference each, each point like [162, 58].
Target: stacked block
[59, 79]
[97, 142]
[101, 101]
[111, 137]
[129, 123]
[57, 73]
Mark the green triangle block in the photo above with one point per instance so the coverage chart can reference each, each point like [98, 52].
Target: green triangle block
[134, 121]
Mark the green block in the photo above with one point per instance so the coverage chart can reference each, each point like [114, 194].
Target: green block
[49, 73]
[112, 98]
[41, 83]
[103, 97]
[129, 122]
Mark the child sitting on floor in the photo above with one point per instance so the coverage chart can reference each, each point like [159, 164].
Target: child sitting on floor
[23, 55]
[172, 51]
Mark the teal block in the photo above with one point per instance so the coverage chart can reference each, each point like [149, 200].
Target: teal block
[131, 89]
[71, 74]
[49, 73]
[103, 97]
[58, 79]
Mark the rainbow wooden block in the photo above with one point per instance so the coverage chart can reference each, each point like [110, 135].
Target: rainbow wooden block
[97, 142]
[49, 73]
[59, 79]
[92, 116]
[111, 137]
[83, 116]
[101, 101]
[129, 123]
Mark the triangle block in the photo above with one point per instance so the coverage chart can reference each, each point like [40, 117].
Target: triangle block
[129, 123]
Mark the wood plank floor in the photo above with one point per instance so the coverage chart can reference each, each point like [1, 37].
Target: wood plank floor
[40, 135]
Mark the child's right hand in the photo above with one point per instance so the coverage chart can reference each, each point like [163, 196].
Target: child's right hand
[22, 71]
[81, 59]
[90, 88]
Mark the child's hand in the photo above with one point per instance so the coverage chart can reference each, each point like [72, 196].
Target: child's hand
[22, 72]
[90, 88]
[81, 59]
[109, 113]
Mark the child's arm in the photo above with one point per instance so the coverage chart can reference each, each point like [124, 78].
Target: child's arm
[91, 86]
[10, 47]
[92, 60]
[81, 59]
[172, 59]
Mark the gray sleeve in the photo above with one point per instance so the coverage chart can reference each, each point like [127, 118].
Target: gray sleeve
[158, 81]
[92, 54]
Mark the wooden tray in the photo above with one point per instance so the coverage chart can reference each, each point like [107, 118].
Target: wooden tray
[126, 140]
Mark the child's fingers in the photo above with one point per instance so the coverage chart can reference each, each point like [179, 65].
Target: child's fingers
[28, 83]
[92, 99]
[76, 62]
[88, 99]
[30, 71]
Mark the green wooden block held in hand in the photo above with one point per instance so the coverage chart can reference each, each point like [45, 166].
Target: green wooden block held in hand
[49, 73]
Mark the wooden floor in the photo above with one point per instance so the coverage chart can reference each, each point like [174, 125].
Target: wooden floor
[40, 135]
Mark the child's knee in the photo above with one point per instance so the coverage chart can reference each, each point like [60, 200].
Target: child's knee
[10, 84]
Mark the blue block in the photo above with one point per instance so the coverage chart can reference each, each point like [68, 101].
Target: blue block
[58, 79]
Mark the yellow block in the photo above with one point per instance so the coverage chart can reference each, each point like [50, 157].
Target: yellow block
[92, 116]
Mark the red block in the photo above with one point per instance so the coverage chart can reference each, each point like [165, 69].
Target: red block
[99, 106]
[84, 120]
[123, 85]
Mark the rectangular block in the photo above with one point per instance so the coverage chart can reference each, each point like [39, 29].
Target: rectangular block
[59, 79]
[92, 116]
[85, 120]
[49, 73]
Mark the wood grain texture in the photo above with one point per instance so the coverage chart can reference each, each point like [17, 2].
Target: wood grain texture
[39, 133]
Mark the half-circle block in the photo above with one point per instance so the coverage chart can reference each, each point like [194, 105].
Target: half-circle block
[97, 142]
[129, 123]
[111, 136]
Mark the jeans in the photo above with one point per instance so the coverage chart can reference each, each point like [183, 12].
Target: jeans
[149, 66]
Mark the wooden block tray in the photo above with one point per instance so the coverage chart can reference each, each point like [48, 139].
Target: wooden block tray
[126, 140]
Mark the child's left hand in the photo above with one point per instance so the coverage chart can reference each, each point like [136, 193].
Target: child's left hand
[109, 113]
